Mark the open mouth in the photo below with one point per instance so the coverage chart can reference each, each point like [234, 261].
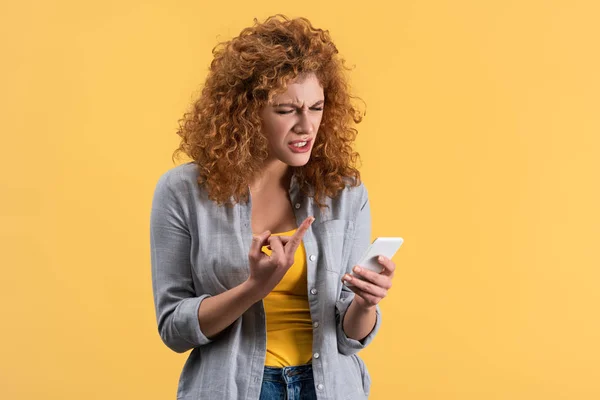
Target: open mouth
[299, 146]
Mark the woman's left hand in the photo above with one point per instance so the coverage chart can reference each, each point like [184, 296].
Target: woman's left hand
[375, 286]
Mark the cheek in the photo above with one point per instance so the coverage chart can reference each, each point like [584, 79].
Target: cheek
[317, 120]
[276, 131]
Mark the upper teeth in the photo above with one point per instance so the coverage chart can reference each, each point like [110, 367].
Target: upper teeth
[299, 144]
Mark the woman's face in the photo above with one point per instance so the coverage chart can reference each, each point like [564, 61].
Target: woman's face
[291, 122]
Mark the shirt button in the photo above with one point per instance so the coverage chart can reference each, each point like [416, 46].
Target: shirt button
[320, 386]
[297, 206]
[312, 257]
[316, 324]
[313, 291]
[316, 355]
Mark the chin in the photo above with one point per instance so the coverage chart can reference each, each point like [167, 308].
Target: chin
[298, 162]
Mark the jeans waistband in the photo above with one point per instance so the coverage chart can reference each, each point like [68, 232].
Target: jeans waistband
[288, 374]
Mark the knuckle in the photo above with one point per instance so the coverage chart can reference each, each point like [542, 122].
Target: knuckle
[281, 262]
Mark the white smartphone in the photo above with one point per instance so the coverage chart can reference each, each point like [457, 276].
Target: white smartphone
[386, 246]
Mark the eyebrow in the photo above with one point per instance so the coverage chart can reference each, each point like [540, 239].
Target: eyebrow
[294, 105]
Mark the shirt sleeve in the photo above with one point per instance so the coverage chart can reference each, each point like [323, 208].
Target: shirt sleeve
[362, 240]
[175, 300]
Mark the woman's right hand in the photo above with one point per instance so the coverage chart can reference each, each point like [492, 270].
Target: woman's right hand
[267, 271]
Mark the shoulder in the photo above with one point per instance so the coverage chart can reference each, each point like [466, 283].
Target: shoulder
[354, 195]
[180, 179]
[178, 187]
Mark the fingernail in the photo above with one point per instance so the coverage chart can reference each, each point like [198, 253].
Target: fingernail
[381, 258]
[347, 278]
[357, 269]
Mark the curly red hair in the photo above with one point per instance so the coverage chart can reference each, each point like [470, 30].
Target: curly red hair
[222, 134]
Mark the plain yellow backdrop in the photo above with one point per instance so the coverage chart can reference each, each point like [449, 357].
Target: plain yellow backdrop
[480, 147]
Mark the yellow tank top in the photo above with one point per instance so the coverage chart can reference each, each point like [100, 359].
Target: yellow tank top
[289, 326]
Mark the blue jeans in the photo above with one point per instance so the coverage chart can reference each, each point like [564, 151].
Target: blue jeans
[288, 383]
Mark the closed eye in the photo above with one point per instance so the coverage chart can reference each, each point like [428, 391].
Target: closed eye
[291, 111]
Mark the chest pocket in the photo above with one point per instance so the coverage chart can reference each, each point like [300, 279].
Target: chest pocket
[334, 240]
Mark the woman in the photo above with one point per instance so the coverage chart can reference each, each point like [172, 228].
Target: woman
[251, 241]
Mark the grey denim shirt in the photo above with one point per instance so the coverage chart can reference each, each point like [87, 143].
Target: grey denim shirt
[200, 249]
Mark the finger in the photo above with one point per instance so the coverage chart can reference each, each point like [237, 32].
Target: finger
[296, 238]
[388, 266]
[285, 239]
[257, 243]
[378, 279]
[366, 286]
[275, 243]
[369, 298]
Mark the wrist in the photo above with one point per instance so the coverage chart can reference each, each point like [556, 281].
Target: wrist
[361, 306]
[252, 291]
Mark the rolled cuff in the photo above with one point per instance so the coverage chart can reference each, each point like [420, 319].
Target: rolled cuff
[346, 345]
[186, 333]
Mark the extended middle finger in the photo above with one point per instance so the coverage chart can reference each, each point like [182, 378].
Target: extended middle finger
[296, 238]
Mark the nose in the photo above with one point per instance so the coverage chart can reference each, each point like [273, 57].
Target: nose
[304, 125]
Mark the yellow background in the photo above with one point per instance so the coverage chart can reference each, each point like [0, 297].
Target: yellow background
[480, 147]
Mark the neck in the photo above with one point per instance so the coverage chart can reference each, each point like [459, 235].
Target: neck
[275, 175]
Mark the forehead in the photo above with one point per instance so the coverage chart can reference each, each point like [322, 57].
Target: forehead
[300, 90]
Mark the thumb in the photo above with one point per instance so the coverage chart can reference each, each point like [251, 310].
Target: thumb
[265, 236]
